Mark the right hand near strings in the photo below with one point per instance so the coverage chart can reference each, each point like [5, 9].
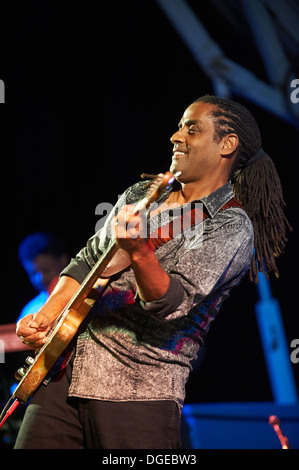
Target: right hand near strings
[33, 329]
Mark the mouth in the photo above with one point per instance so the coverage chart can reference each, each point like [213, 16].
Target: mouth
[178, 154]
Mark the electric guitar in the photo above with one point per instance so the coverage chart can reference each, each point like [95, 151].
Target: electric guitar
[67, 324]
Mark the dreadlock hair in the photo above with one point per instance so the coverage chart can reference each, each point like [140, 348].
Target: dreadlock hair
[257, 186]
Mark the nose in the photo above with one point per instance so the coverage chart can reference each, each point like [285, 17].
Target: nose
[177, 137]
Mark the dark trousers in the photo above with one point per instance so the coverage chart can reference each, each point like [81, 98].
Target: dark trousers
[52, 421]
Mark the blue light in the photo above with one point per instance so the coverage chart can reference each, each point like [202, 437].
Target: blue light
[12, 388]
[34, 305]
[274, 343]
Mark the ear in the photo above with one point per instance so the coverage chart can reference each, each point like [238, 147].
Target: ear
[229, 144]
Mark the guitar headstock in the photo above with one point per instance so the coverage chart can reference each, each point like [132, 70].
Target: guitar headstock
[157, 186]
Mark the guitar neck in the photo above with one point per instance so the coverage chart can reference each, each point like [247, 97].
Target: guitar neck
[91, 279]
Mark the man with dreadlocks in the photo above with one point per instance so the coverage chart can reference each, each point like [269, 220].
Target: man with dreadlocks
[124, 386]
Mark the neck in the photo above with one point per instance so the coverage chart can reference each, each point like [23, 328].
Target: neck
[191, 191]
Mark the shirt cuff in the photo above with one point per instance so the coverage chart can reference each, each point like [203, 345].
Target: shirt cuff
[166, 304]
[76, 269]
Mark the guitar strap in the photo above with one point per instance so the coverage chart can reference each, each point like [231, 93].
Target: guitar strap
[193, 216]
[121, 260]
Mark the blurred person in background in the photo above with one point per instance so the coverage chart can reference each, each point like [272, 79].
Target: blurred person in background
[43, 256]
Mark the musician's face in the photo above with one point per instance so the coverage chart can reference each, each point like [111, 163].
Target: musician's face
[196, 152]
[43, 269]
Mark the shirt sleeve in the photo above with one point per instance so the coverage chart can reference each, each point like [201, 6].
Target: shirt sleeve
[168, 303]
[217, 262]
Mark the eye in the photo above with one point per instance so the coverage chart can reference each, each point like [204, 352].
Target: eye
[192, 129]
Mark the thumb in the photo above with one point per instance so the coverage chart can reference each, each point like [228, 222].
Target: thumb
[39, 320]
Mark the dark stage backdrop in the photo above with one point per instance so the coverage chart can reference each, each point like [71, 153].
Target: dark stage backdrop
[93, 95]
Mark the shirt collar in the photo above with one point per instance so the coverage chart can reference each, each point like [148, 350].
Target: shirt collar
[212, 202]
[217, 199]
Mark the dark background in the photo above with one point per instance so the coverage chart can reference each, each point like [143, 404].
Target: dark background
[93, 94]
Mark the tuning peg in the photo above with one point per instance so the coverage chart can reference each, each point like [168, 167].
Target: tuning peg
[22, 370]
[29, 360]
[20, 373]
